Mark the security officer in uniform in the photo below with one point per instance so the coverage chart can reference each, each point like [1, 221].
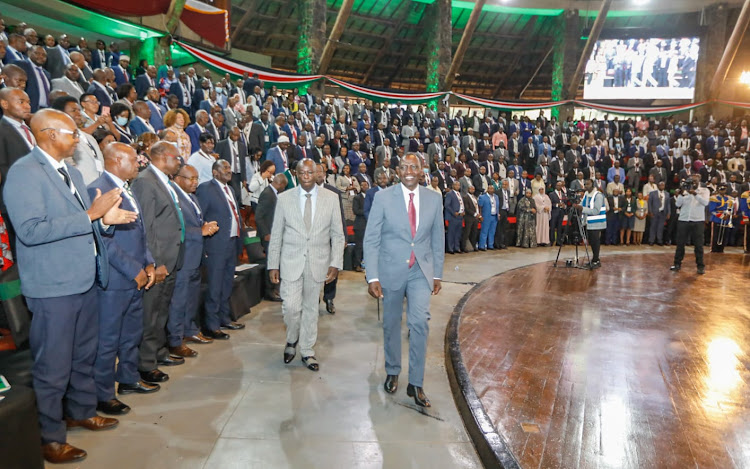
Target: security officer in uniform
[720, 207]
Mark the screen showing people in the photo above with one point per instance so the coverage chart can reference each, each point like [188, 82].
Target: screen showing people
[642, 69]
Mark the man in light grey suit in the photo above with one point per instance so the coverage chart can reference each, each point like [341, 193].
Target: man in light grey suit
[69, 82]
[306, 250]
[404, 252]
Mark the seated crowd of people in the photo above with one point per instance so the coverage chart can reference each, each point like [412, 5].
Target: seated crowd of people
[219, 151]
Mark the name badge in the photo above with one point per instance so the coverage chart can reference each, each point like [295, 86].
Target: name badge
[99, 166]
[267, 139]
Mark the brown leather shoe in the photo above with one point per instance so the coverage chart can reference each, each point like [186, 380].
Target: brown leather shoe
[183, 351]
[198, 338]
[58, 453]
[94, 423]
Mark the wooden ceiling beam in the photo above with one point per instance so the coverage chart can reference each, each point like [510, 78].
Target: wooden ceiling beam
[333, 38]
[463, 45]
[244, 20]
[596, 29]
[527, 29]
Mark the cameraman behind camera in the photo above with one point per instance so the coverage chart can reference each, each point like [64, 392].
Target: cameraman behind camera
[692, 203]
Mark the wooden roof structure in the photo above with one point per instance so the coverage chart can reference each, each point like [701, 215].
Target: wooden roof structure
[384, 43]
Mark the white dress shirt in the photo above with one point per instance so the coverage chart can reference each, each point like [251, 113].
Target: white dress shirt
[203, 164]
[232, 207]
[406, 193]
[313, 200]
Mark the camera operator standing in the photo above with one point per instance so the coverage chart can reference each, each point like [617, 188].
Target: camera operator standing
[692, 203]
[594, 218]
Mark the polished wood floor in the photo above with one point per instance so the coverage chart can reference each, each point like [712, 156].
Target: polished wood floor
[628, 366]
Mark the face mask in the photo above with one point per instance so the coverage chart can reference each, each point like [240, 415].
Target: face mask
[122, 121]
[219, 90]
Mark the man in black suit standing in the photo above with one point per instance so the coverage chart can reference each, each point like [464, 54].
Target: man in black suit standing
[39, 82]
[16, 139]
[471, 221]
[558, 198]
[183, 308]
[329, 289]
[507, 208]
[131, 272]
[219, 204]
[264, 212]
[165, 231]
[234, 151]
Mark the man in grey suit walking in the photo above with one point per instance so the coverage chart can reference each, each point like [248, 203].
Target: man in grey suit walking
[306, 223]
[407, 219]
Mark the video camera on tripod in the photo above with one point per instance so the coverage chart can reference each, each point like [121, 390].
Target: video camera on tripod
[574, 232]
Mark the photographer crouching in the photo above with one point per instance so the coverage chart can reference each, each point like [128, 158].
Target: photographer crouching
[692, 203]
[594, 218]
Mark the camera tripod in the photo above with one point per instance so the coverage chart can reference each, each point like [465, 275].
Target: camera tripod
[573, 214]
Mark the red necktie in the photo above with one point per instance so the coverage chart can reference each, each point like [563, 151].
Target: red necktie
[28, 134]
[234, 210]
[413, 226]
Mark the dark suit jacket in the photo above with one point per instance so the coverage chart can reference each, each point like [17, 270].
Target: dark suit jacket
[264, 212]
[193, 231]
[215, 207]
[127, 247]
[358, 207]
[225, 153]
[104, 98]
[96, 62]
[55, 64]
[451, 206]
[142, 84]
[341, 205]
[257, 137]
[32, 86]
[12, 148]
[161, 219]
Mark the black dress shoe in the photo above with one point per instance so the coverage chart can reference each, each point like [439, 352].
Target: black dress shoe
[274, 298]
[154, 376]
[675, 268]
[171, 360]
[140, 387]
[391, 384]
[289, 352]
[311, 363]
[233, 326]
[418, 394]
[112, 407]
[701, 270]
[217, 335]
[330, 307]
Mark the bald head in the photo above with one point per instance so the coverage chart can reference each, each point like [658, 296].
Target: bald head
[14, 76]
[56, 133]
[121, 160]
[15, 104]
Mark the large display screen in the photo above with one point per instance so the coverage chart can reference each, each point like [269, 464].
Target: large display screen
[642, 69]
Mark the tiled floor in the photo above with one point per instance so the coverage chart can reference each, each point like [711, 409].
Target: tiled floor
[628, 366]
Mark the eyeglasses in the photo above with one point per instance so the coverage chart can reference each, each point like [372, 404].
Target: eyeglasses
[75, 133]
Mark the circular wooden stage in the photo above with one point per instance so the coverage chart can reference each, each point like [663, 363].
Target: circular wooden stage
[628, 366]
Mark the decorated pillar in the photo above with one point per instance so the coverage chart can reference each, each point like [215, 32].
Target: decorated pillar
[311, 29]
[564, 60]
[439, 26]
